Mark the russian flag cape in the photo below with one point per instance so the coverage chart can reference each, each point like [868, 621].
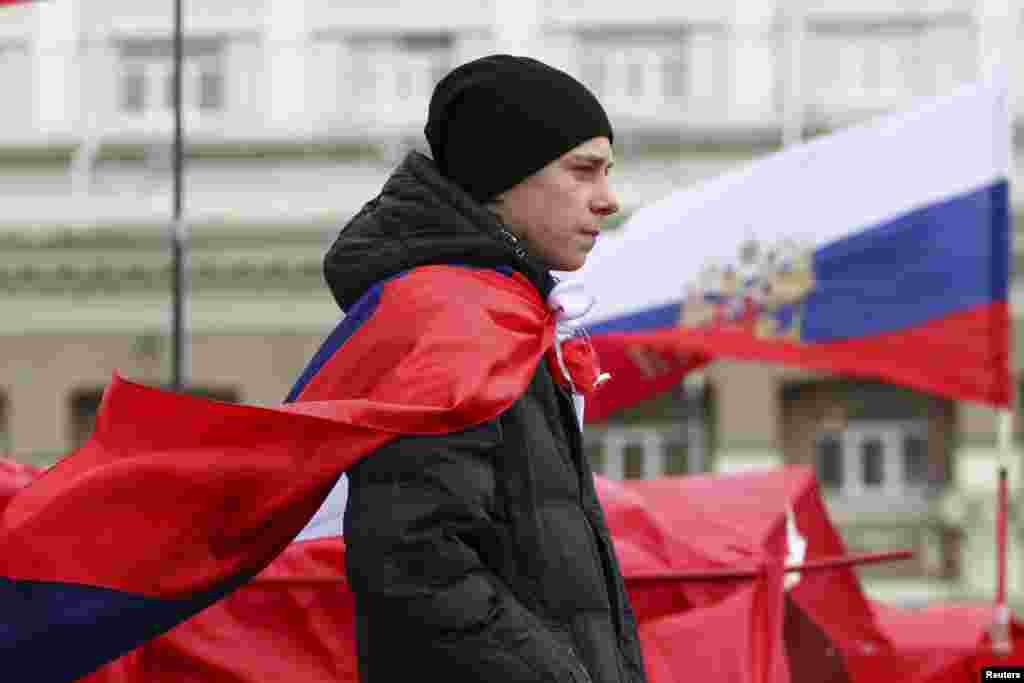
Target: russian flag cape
[175, 501]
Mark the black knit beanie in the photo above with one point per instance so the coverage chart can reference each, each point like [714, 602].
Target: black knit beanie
[497, 120]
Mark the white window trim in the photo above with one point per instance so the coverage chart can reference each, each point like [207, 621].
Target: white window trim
[654, 440]
[617, 439]
[701, 55]
[892, 434]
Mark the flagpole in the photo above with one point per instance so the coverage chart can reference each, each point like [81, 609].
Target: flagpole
[994, 46]
[1001, 539]
[179, 234]
[1000, 629]
[1005, 448]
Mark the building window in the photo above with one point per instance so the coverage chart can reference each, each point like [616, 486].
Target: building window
[133, 88]
[594, 69]
[640, 452]
[874, 458]
[915, 458]
[635, 75]
[858, 65]
[674, 76]
[871, 463]
[211, 86]
[392, 77]
[667, 435]
[869, 439]
[638, 73]
[877, 448]
[168, 89]
[434, 50]
[829, 461]
[18, 79]
[146, 79]
[85, 404]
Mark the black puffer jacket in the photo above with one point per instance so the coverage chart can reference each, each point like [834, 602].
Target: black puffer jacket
[481, 555]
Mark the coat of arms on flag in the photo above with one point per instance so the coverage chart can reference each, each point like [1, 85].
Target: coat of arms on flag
[763, 292]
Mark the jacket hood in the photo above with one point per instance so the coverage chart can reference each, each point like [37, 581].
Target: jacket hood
[421, 218]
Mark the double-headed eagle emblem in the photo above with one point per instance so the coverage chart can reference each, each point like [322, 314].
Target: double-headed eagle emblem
[764, 292]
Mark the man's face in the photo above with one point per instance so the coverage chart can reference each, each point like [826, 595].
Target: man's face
[558, 209]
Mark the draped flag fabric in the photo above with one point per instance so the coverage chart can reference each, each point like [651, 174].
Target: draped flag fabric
[175, 501]
[878, 251]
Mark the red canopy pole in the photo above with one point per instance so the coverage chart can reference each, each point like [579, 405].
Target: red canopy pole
[852, 560]
[1001, 523]
[1000, 630]
[751, 572]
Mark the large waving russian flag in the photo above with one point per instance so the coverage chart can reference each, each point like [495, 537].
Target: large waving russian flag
[878, 251]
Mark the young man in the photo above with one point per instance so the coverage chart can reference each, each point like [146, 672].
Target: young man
[483, 555]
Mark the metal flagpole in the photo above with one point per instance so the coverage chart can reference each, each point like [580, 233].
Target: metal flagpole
[179, 230]
[995, 41]
[1000, 628]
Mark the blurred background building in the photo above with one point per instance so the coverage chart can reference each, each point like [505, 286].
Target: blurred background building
[295, 113]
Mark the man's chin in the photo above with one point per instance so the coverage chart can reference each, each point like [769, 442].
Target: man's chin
[570, 267]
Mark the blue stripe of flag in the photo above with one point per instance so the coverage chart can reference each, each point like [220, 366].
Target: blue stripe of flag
[357, 314]
[56, 632]
[929, 263]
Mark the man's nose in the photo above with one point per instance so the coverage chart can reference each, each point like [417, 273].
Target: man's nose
[606, 203]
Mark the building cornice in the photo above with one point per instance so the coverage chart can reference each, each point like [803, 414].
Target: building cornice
[137, 259]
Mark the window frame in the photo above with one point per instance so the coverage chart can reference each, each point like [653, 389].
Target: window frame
[683, 70]
[893, 435]
[151, 63]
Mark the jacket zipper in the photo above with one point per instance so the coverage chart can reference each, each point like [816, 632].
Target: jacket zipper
[517, 244]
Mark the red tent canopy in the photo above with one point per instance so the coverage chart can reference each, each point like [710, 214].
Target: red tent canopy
[703, 557]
